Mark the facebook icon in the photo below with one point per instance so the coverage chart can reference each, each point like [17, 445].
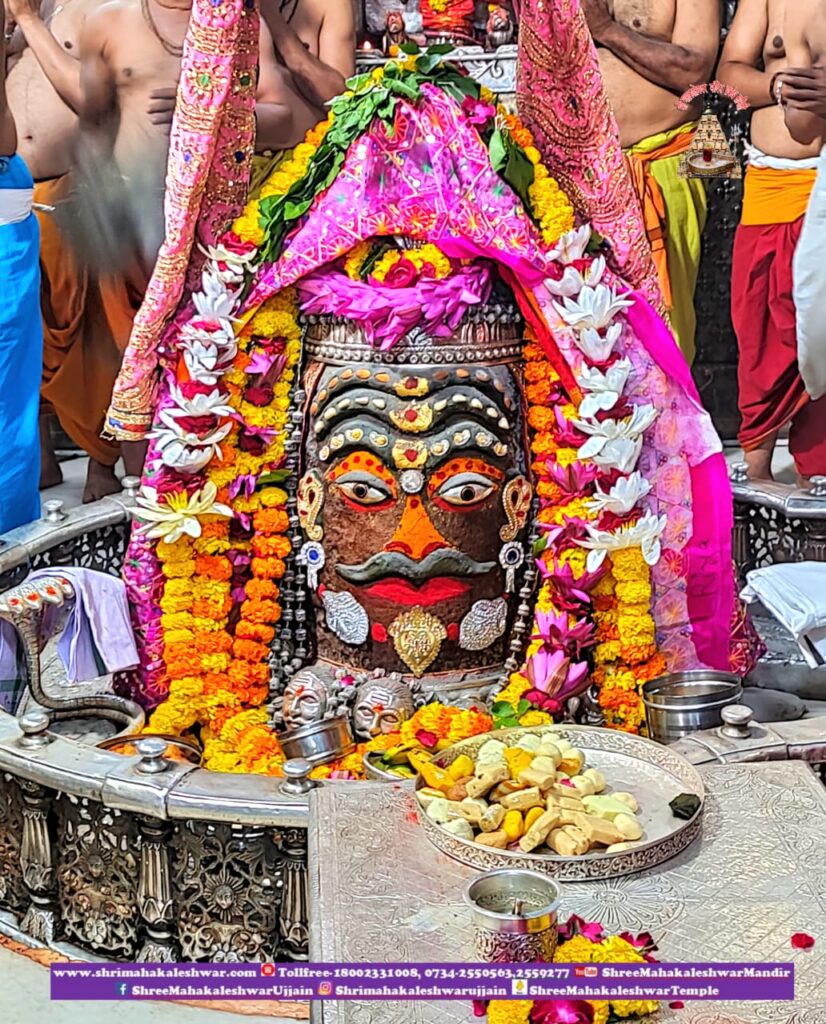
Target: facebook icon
[123, 988]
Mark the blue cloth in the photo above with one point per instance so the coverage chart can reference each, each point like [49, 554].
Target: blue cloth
[21, 358]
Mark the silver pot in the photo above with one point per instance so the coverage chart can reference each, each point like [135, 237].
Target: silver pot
[514, 915]
[318, 742]
[685, 702]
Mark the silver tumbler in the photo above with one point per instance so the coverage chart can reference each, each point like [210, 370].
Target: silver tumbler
[514, 916]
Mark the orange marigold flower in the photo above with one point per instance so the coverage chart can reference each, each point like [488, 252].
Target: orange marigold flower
[541, 418]
[271, 520]
[538, 393]
[249, 650]
[268, 568]
[261, 611]
[215, 641]
[243, 674]
[214, 567]
[254, 631]
[543, 444]
[211, 609]
[257, 589]
[549, 490]
[271, 547]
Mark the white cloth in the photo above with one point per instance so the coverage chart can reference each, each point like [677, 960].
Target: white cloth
[795, 594]
[15, 205]
[757, 158]
[810, 289]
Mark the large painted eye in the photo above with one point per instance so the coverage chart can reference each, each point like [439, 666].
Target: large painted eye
[364, 488]
[465, 489]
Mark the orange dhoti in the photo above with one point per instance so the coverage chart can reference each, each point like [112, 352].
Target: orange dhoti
[772, 394]
[86, 327]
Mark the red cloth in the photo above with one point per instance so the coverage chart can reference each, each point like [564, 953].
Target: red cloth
[772, 394]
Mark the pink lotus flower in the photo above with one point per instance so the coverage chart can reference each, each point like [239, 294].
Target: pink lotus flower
[576, 925]
[555, 631]
[571, 592]
[567, 436]
[573, 479]
[554, 679]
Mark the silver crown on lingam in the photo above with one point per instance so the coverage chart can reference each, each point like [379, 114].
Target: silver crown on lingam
[411, 522]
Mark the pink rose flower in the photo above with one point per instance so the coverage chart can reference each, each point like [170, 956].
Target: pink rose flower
[401, 274]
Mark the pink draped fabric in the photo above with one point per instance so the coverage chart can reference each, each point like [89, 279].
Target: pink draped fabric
[562, 100]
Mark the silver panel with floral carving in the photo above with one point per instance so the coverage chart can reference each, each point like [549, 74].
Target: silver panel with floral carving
[381, 893]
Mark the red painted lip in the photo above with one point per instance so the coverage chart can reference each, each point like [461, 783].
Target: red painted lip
[402, 591]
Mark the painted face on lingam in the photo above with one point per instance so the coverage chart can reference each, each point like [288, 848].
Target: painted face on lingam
[414, 504]
[381, 705]
[305, 700]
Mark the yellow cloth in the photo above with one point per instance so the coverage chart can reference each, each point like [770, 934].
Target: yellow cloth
[655, 165]
[771, 196]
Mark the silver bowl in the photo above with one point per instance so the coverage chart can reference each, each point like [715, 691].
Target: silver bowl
[318, 742]
[685, 702]
[177, 749]
[374, 771]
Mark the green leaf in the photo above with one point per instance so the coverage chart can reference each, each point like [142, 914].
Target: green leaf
[497, 150]
[501, 707]
[523, 707]
[278, 476]
[292, 210]
[519, 173]
[428, 62]
[464, 85]
[539, 545]
[410, 48]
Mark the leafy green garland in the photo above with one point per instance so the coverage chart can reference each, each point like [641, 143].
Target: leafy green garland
[355, 111]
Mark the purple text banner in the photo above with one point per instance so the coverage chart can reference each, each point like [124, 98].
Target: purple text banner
[638, 981]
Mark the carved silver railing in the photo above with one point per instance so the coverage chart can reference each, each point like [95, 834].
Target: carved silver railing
[775, 522]
[495, 69]
[148, 859]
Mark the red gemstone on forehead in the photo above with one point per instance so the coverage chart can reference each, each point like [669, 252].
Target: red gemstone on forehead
[411, 383]
[379, 633]
[414, 502]
[410, 454]
[453, 632]
[356, 458]
[410, 415]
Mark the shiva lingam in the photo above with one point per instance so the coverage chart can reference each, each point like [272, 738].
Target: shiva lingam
[413, 508]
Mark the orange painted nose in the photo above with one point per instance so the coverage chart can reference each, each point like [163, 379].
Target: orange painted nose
[416, 536]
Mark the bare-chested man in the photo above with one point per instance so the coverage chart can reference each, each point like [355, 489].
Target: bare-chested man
[778, 184]
[651, 52]
[124, 87]
[79, 353]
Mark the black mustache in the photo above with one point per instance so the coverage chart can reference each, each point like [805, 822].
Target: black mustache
[444, 562]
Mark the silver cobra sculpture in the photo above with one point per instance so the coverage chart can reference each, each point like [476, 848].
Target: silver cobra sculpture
[23, 607]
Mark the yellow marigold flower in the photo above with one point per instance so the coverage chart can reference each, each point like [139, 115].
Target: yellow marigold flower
[609, 651]
[601, 1010]
[355, 260]
[634, 1008]
[487, 95]
[577, 950]
[629, 565]
[532, 153]
[567, 456]
[508, 1011]
[535, 718]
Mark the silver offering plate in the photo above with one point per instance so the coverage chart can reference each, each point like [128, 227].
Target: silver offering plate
[654, 774]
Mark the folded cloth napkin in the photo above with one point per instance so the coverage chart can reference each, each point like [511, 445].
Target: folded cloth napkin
[97, 638]
[795, 594]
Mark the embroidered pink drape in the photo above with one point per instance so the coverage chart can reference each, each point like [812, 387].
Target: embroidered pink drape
[562, 100]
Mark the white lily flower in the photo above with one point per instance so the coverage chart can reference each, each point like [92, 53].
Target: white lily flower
[572, 281]
[185, 451]
[596, 347]
[215, 301]
[234, 264]
[621, 453]
[572, 245]
[645, 534]
[212, 404]
[202, 362]
[602, 390]
[610, 430]
[169, 517]
[624, 496]
[594, 308]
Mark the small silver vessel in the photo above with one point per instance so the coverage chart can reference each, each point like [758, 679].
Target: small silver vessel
[319, 742]
[685, 702]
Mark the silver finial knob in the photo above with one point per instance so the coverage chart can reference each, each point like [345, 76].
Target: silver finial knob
[53, 511]
[818, 487]
[35, 729]
[152, 750]
[736, 721]
[297, 779]
[739, 473]
[130, 486]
